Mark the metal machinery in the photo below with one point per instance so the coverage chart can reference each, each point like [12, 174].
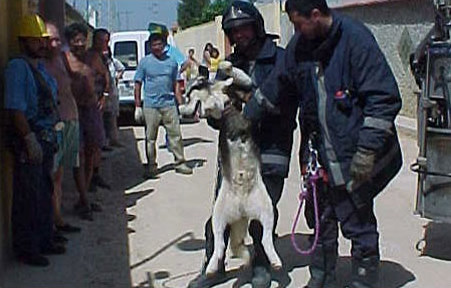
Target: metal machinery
[431, 65]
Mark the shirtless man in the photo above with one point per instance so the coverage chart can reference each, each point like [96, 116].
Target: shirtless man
[68, 153]
[95, 59]
[88, 102]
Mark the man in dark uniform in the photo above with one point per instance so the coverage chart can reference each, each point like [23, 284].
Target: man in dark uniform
[256, 53]
[349, 100]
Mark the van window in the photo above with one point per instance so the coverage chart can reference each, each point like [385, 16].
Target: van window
[127, 53]
[147, 48]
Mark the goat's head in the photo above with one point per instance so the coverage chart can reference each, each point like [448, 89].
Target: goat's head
[210, 99]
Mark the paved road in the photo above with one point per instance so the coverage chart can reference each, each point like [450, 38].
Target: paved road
[154, 228]
[168, 238]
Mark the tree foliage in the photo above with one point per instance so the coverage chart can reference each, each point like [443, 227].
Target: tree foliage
[189, 12]
[214, 9]
[195, 12]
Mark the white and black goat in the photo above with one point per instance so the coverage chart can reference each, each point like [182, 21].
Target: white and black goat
[242, 196]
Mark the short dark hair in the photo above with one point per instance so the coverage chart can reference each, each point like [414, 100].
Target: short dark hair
[305, 7]
[154, 37]
[191, 50]
[98, 32]
[74, 29]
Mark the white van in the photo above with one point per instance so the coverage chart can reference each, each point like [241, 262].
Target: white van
[128, 47]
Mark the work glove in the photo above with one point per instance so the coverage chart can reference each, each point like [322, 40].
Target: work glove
[362, 165]
[139, 116]
[34, 149]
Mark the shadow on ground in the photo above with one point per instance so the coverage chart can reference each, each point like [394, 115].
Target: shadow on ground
[193, 163]
[188, 142]
[392, 274]
[98, 256]
[174, 242]
[132, 197]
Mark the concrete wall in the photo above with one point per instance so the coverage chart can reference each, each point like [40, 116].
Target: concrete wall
[10, 11]
[3, 209]
[286, 29]
[53, 10]
[395, 25]
[271, 15]
[196, 37]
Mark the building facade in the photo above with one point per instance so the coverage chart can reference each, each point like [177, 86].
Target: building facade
[399, 26]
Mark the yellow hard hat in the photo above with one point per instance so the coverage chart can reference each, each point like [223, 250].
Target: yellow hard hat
[32, 26]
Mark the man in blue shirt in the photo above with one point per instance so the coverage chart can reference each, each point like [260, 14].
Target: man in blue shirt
[30, 100]
[158, 72]
[174, 53]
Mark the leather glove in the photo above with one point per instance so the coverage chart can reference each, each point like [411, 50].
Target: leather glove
[34, 149]
[139, 116]
[362, 165]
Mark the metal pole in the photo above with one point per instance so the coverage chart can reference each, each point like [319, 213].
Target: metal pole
[108, 15]
[87, 11]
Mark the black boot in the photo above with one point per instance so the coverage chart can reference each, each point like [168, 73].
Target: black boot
[365, 272]
[322, 268]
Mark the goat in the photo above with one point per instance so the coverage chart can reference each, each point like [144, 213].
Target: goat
[242, 196]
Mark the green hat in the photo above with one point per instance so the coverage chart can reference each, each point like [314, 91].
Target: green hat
[156, 28]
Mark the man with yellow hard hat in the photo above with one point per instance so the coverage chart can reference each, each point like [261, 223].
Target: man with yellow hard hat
[30, 99]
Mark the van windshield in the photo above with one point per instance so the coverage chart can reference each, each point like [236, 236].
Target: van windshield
[147, 48]
[127, 53]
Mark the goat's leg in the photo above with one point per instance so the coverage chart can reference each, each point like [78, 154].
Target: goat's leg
[218, 224]
[267, 220]
[238, 231]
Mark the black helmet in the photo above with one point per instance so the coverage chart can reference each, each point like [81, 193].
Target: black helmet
[240, 13]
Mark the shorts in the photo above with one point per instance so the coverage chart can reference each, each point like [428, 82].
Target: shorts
[69, 146]
[91, 127]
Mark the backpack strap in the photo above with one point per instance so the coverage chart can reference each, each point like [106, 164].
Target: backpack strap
[46, 102]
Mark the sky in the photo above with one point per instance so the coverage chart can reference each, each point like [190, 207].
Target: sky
[136, 14]
[131, 14]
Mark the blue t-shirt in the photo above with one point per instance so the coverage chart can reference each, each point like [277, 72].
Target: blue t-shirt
[21, 92]
[158, 76]
[178, 56]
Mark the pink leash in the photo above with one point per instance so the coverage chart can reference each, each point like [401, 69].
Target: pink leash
[309, 181]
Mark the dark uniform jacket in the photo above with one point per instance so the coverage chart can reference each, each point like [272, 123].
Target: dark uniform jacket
[349, 97]
[272, 132]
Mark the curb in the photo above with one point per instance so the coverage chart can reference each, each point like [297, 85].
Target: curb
[406, 125]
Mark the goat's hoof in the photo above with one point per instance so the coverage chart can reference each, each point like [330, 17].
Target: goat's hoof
[211, 270]
[276, 266]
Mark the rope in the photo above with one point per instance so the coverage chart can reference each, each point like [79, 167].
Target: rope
[302, 197]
